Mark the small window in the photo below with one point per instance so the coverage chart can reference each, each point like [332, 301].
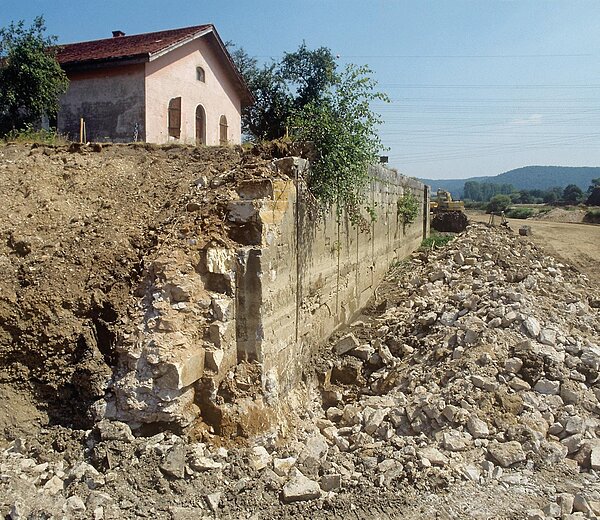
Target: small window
[200, 76]
[223, 130]
[175, 118]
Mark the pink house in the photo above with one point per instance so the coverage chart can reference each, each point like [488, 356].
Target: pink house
[169, 86]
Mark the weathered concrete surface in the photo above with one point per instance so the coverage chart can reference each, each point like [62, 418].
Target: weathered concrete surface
[316, 275]
[291, 282]
[111, 101]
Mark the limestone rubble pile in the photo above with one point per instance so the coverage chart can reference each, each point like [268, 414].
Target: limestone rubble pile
[475, 373]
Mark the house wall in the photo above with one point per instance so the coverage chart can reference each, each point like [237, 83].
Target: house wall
[174, 75]
[111, 101]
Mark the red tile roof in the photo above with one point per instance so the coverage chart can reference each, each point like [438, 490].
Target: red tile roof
[122, 47]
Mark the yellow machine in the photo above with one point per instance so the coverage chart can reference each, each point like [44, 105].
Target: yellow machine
[444, 202]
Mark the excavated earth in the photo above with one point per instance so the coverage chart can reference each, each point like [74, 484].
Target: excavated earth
[468, 388]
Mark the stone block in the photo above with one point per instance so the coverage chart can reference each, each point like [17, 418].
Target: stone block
[346, 344]
[507, 453]
[179, 373]
[220, 260]
[300, 488]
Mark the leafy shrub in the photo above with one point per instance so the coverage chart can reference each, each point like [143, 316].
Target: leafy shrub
[29, 134]
[498, 203]
[592, 216]
[520, 213]
[436, 241]
[407, 207]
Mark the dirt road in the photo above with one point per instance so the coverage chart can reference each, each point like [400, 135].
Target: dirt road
[577, 243]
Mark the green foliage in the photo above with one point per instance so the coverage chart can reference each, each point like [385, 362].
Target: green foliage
[407, 207]
[498, 203]
[31, 78]
[594, 198]
[280, 88]
[594, 183]
[305, 94]
[308, 73]
[29, 134]
[520, 213]
[592, 216]
[436, 241]
[484, 191]
[342, 127]
[572, 194]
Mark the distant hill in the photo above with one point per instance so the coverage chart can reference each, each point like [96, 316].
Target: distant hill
[526, 178]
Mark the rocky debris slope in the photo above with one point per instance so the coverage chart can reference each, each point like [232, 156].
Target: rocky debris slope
[469, 389]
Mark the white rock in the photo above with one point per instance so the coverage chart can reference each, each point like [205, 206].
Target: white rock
[565, 501]
[595, 458]
[283, 466]
[75, 504]
[489, 384]
[513, 365]
[532, 326]
[259, 458]
[300, 488]
[373, 419]
[114, 431]
[54, 485]
[548, 337]
[346, 344]
[213, 500]
[547, 387]
[507, 453]
[435, 456]
[477, 428]
[201, 463]
[455, 441]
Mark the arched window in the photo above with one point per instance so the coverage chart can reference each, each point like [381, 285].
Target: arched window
[223, 130]
[200, 125]
[200, 76]
[175, 118]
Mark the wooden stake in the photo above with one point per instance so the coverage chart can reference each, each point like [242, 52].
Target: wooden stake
[81, 130]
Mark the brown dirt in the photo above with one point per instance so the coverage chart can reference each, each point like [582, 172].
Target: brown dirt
[577, 243]
[76, 228]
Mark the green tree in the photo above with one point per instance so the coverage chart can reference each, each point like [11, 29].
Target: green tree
[342, 127]
[308, 73]
[283, 87]
[594, 193]
[572, 194]
[553, 195]
[31, 78]
[595, 184]
[498, 203]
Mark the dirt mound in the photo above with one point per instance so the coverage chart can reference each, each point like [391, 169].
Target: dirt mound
[76, 227]
[449, 221]
[562, 215]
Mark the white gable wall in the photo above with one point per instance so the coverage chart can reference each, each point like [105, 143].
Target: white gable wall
[174, 75]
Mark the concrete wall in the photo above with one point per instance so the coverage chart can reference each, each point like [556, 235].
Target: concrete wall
[174, 75]
[270, 301]
[316, 275]
[111, 100]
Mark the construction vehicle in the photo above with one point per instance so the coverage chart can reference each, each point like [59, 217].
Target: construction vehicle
[444, 202]
[448, 214]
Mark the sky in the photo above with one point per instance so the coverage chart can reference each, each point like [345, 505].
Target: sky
[475, 87]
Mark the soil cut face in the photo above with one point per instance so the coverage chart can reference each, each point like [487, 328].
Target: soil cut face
[76, 225]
